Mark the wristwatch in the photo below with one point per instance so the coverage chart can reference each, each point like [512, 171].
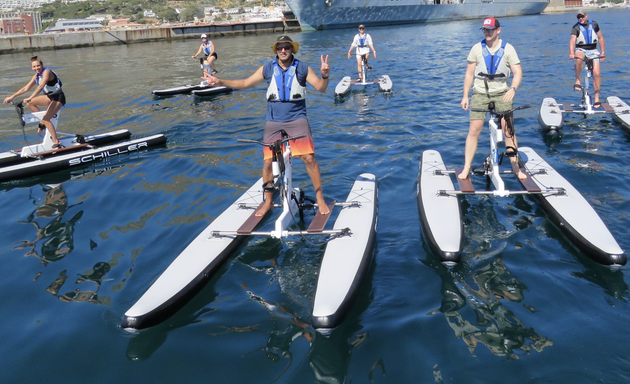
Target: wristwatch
[514, 88]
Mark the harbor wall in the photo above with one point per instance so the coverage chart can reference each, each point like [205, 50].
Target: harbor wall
[555, 6]
[67, 40]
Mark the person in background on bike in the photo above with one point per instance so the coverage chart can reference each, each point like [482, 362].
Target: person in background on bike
[53, 97]
[585, 35]
[363, 42]
[286, 110]
[209, 54]
[490, 64]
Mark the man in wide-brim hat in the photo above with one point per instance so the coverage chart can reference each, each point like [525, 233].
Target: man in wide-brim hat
[286, 110]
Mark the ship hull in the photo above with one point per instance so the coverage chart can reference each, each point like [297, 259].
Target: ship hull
[333, 14]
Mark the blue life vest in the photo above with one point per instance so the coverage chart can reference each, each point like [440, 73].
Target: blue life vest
[284, 85]
[587, 35]
[362, 40]
[206, 48]
[53, 86]
[492, 61]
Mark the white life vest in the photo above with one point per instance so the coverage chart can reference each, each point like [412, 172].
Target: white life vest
[290, 89]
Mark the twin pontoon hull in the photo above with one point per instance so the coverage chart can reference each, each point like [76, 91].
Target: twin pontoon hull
[345, 262]
[570, 211]
[95, 148]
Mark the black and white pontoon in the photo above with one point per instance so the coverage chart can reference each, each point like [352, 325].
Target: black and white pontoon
[565, 206]
[201, 89]
[621, 111]
[344, 264]
[42, 158]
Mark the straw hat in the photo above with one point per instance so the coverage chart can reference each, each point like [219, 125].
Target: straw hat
[286, 39]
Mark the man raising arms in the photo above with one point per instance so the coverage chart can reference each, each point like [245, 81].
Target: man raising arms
[286, 111]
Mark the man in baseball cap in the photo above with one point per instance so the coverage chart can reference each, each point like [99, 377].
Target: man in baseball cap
[585, 35]
[490, 23]
[491, 62]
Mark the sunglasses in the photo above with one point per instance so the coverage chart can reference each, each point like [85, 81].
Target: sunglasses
[285, 47]
[360, 29]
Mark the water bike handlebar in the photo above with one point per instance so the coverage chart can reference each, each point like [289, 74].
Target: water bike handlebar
[586, 58]
[19, 108]
[279, 141]
[500, 113]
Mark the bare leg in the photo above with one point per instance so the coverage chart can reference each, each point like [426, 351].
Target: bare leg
[510, 141]
[267, 175]
[211, 60]
[597, 80]
[359, 66]
[578, 67]
[38, 101]
[52, 110]
[471, 146]
[312, 167]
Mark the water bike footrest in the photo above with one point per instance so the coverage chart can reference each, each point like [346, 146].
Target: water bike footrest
[548, 191]
[465, 185]
[288, 233]
[319, 221]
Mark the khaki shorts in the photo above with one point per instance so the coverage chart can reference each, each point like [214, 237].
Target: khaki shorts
[481, 100]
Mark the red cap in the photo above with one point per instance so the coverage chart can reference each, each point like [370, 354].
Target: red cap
[490, 23]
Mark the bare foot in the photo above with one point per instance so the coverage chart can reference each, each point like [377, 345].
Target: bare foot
[521, 175]
[262, 211]
[463, 175]
[323, 207]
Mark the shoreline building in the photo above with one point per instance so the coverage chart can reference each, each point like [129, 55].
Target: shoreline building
[69, 25]
[20, 23]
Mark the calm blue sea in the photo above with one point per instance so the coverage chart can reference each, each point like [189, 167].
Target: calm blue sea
[78, 249]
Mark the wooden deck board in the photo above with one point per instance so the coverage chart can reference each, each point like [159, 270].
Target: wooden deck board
[319, 221]
[529, 184]
[64, 149]
[250, 224]
[466, 184]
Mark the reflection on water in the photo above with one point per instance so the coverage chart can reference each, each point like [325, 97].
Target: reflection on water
[483, 282]
[283, 276]
[50, 229]
[56, 237]
[490, 323]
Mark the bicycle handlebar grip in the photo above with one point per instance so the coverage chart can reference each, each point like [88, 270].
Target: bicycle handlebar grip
[248, 141]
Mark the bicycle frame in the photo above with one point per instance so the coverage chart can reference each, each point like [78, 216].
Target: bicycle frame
[586, 98]
[492, 168]
[587, 105]
[288, 200]
[363, 69]
[496, 138]
[282, 170]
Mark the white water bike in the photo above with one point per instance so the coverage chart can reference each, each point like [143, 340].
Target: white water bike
[551, 113]
[346, 83]
[344, 264]
[440, 210]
